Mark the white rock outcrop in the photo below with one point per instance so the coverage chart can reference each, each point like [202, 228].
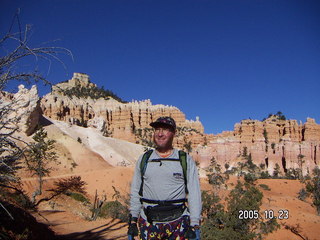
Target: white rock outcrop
[23, 109]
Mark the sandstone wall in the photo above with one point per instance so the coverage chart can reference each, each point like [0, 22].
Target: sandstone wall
[116, 119]
[270, 142]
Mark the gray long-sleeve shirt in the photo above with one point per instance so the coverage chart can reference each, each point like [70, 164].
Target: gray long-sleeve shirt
[165, 181]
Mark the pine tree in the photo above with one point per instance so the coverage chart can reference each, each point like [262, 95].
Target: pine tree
[228, 224]
[39, 156]
[313, 187]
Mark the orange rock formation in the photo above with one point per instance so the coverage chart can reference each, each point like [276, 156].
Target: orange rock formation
[270, 142]
[128, 121]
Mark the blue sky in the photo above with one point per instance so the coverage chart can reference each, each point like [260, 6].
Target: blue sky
[223, 61]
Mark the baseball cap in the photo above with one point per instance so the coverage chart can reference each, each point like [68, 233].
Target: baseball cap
[161, 121]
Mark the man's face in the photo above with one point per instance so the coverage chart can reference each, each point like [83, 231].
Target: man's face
[163, 137]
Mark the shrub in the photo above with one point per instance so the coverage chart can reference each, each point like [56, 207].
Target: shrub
[93, 92]
[276, 171]
[224, 223]
[262, 166]
[115, 210]
[293, 173]
[77, 196]
[279, 116]
[265, 175]
[249, 177]
[303, 194]
[265, 187]
[313, 187]
[215, 177]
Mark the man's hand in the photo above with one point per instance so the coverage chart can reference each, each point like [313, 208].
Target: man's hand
[133, 230]
[193, 233]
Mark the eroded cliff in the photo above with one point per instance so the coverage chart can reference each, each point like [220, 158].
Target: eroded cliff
[128, 121]
[271, 142]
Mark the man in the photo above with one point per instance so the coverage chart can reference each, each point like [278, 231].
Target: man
[165, 203]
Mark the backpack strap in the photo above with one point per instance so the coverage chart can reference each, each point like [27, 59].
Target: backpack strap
[143, 167]
[183, 162]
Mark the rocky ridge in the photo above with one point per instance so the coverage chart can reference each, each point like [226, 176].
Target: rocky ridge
[271, 142]
[127, 121]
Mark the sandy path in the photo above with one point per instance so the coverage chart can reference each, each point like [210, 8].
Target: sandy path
[69, 226]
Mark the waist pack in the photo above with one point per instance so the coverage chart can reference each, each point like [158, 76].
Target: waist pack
[166, 213]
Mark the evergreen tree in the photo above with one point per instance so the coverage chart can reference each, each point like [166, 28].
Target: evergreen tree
[276, 171]
[313, 187]
[39, 156]
[228, 224]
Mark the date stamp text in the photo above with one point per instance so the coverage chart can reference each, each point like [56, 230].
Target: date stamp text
[266, 214]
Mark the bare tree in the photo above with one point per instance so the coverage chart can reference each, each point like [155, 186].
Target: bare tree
[15, 47]
[10, 153]
[22, 50]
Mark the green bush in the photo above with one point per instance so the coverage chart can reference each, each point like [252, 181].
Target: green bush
[265, 187]
[313, 187]
[265, 175]
[224, 223]
[249, 177]
[293, 173]
[216, 179]
[93, 92]
[115, 210]
[302, 194]
[78, 196]
[276, 172]
[279, 116]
